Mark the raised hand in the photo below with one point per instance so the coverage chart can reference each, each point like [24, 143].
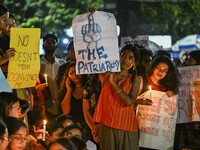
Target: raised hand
[68, 84]
[170, 93]
[9, 54]
[91, 31]
[41, 87]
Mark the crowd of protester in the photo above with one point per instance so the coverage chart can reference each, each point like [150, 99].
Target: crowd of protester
[81, 108]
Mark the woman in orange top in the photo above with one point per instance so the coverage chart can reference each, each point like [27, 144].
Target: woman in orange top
[115, 105]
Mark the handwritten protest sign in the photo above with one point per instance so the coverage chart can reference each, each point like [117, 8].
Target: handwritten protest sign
[96, 43]
[4, 86]
[142, 40]
[189, 94]
[157, 122]
[24, 67]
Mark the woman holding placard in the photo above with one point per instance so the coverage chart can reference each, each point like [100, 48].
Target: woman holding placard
[115, 105]
[6, 53]
[161, 76]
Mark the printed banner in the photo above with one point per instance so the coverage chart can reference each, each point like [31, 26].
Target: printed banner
[189, 94]
[96, 43]
[142, 40]
[4, 86]
[157, 122]
[24, 67]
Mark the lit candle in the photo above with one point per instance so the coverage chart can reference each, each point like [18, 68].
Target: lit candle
[44, 130]
[45, 75]
[150, 90]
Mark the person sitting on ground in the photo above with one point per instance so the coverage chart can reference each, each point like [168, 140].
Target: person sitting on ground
[17, 131]
[3, 135]
[9, 105]
[64, 120]
[54, 129]
[67, 144]
[73, 131]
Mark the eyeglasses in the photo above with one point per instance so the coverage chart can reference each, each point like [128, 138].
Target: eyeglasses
[19, 139]
[162, 71]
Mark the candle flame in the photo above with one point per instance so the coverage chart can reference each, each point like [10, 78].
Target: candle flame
[150, 87]
[45, 122]
[45, 75]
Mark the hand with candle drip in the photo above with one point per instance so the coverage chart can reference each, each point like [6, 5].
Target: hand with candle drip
[142, 101]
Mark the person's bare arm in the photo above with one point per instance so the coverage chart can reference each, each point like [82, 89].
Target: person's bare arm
[66, 103]
[9, 54]
[128, 100]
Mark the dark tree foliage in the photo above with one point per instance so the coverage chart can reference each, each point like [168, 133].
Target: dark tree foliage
[49, 15]
[177, 19]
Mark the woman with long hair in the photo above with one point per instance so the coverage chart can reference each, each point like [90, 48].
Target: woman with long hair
[115, 105]
[71, 95]
[9, 105]
[17, 131]
[162, 76]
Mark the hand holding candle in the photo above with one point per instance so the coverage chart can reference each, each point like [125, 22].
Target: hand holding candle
[150, 90]
[44, 130]
[45, 75]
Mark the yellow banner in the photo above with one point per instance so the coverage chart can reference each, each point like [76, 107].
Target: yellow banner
[24, 67]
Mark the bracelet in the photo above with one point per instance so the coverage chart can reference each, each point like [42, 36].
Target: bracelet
[119, 91]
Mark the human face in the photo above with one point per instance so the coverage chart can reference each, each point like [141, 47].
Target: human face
[72, 54]
[67, 123]
[57, 146]
[50, 45]
[145, 62]
[15, 110]
[18, 140]
[4, 141]
[73, 133]
[160, 71]
[12, 24]
[191, 61]
[56, 134]
[4, 21]
[72, 74]
[127, 59]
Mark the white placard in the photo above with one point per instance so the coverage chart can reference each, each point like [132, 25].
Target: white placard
[157, 122]
[189, 94]
[96, 43]
[142, 40]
